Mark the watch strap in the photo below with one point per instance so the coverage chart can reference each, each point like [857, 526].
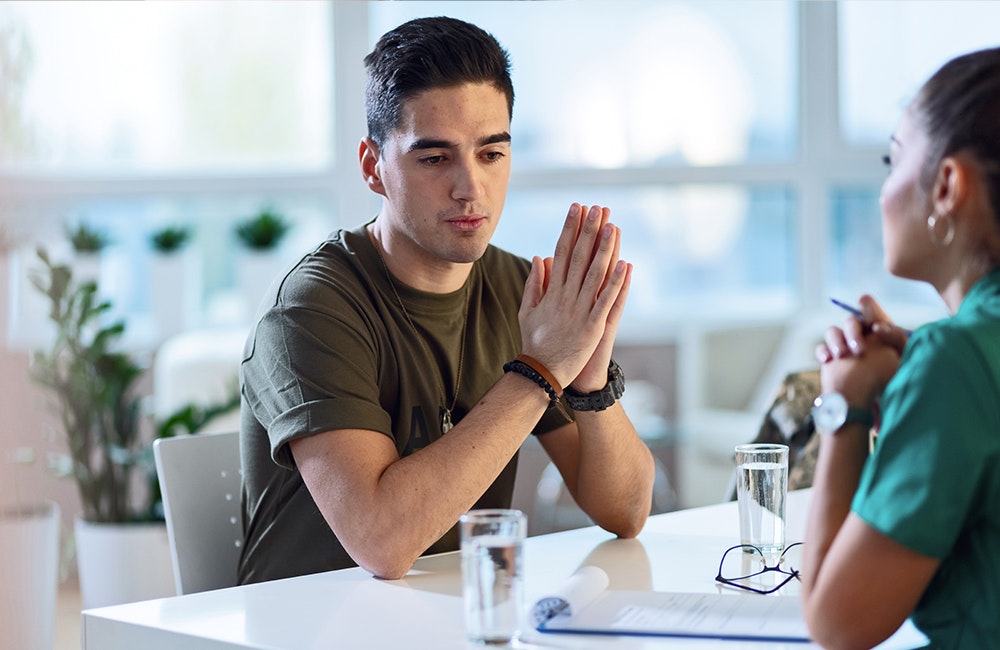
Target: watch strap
[861, 416]
[598, 400]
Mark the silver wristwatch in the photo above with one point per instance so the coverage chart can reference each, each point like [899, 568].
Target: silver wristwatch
[830, 412]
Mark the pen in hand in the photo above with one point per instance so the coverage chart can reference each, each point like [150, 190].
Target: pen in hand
[854, 311]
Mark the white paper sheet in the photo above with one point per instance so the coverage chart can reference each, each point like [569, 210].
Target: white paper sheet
[584, 604]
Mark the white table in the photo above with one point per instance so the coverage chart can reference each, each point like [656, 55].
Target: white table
[677, 551]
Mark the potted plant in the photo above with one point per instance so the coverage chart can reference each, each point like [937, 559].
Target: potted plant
[94, 386]
[88, 242]
[170, 239]
[263, 231]
[121, 542]
[174, 280]
[260, 236]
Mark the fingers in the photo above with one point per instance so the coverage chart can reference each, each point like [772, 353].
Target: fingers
[547, 264]
[594, 374]
[615, 255]
[574, 301]
[618, 306]
[891, 335]
[854, 332]
[836, 343]
[882, 326]
[873, 312]
[587, 251]
[534, 285]
[823, 354]
[592, 252]
[566, 242]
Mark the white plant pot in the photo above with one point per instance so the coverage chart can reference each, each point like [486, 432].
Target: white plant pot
[257, 269]
[123, 563]
[87, 268]
[174, 285]
[29, 570]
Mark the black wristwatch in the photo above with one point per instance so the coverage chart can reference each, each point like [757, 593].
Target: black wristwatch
[831, 412]
[599, 399]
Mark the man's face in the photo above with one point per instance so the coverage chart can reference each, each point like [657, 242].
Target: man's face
[444, 174]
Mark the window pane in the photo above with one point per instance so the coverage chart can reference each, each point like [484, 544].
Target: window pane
[699, 251]
[888, 49]
[617, 84]
[155, 86]
[216, 267]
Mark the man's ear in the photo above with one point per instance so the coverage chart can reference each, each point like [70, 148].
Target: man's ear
[368, 156]
[950, 185]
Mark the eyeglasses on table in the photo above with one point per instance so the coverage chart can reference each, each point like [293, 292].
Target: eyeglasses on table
[742, 563]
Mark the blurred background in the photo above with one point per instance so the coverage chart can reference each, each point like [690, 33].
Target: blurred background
[738, 143]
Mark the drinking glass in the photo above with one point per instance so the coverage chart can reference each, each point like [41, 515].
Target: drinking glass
[492, 574]
[761, 489]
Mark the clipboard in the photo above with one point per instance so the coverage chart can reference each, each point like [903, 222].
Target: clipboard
[584, 605]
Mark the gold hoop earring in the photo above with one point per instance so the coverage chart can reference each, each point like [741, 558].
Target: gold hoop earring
[932, 229]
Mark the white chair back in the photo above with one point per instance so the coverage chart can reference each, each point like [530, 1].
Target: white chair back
[200, 479]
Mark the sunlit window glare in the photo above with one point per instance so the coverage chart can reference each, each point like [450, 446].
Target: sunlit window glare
[163, 86]
[660, 100]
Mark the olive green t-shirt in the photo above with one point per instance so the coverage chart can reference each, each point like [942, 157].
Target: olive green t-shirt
[933, 481]
[334, 350]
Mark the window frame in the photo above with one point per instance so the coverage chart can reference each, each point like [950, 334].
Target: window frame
[823, 159]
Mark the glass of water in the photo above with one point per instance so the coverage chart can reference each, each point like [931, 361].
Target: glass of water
[761, 489]
[493, 574]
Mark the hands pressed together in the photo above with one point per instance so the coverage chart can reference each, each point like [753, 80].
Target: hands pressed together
[573, 301]
[859, 358]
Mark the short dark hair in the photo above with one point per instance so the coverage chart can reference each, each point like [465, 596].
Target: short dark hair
[959, 110]
[427, 53]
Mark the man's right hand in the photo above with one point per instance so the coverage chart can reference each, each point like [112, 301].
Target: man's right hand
[573, 302]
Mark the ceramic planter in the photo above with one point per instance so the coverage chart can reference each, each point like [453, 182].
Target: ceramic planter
[29, 570]
[123, 563]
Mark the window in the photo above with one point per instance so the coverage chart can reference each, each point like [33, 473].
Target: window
[615, 102]
[886, 50]
[607, 85]
[745, 171]
[164, 87]
[128, 117]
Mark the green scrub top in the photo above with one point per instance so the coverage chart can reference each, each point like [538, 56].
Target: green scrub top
[933, 481]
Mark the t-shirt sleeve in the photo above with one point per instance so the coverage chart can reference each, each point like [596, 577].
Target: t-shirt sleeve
[922, 479]
[298, 382]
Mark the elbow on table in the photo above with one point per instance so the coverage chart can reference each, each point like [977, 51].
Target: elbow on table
[624, 525]
[386, 568]
[382, 562]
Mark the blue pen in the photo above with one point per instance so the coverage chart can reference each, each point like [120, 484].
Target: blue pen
[854, 311]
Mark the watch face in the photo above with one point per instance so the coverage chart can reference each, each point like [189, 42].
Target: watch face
[830, 411]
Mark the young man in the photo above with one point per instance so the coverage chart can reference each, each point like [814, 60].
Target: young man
[381, 394]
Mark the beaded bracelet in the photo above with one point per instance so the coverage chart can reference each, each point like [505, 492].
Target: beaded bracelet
[522, 368]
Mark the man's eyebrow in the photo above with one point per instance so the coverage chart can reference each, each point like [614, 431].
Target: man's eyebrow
[430, 143]
[496, 138]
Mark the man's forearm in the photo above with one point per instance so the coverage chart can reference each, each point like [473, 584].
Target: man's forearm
[614, 483]
[396, 508]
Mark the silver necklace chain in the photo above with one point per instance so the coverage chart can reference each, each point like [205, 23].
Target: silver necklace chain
[446, 423]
